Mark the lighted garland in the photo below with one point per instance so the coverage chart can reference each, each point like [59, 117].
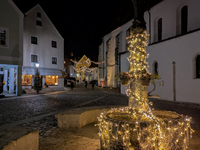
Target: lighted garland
[138, 126]
[84, 69]
[88, 61]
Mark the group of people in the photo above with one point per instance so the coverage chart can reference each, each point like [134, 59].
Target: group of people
[92, 84]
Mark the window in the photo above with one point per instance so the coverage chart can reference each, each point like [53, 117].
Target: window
[160, 29]
[54, 60]
[198, 66]
[33, 40]
[127, 35]
[54, 44]
[38, 15]
[156, 68]
[51, 80]
[3, 37]
[39, 23]
[34, 58]
[184, 19]
[26, 79]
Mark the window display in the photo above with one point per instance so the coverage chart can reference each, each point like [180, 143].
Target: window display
[51, 80]
[26, 79]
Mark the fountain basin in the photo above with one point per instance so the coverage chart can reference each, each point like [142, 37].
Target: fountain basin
[121, 128]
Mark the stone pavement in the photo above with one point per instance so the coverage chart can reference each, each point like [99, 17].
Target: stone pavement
[87, 137]
[36, 111]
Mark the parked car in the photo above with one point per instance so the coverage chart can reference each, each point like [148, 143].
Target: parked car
[94, 81]
[67, 81]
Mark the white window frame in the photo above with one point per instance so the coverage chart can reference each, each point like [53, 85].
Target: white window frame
[39, 21]
[56, 60]
[35, 37]
[56, 43]
[7, 37]
[39, 13]
[37, 58]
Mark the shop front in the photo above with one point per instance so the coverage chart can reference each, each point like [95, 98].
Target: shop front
[51, 77]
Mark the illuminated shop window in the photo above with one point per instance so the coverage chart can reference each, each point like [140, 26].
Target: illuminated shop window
[26, 79]
[51, 80]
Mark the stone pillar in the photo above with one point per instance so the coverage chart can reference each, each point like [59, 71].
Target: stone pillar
[5, 79]
[11, 80]
[19, 80]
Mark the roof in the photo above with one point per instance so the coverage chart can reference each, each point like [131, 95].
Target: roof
[38, 5]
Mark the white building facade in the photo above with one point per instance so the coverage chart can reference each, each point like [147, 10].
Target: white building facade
[11, 46]
[43, 45]
[114, 52]
[174, 28]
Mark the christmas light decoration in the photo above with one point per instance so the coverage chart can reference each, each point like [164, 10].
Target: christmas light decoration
[88, 61]
[138, 126]
[84, 64]
[84, 69]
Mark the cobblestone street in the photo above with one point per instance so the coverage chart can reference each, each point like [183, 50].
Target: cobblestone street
[37, 111]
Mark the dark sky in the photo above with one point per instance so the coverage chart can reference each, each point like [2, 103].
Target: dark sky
[82, 23]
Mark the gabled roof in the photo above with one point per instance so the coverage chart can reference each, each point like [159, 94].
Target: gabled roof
[38, 5]
[15, 7]
[84, 61]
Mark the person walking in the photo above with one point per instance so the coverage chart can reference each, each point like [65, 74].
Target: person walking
[72, 85]
[85, 84]
[93, 85]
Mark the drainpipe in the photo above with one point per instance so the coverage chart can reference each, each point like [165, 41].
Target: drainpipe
[103, 56]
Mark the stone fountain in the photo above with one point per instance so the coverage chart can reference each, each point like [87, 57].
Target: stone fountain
[138, 126]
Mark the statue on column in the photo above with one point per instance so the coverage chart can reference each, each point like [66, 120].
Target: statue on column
[139, 24]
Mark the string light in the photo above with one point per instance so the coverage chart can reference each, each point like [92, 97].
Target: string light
[138, 126]
[87, 61]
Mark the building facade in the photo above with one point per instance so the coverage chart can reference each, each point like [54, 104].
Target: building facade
[11, 47]
[174, 28]
[43, 47]
[114, 52]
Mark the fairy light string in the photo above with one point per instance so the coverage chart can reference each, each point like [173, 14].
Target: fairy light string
[138, 126]
[87, 62]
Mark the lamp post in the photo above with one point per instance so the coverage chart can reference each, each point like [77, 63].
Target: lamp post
[37, 78]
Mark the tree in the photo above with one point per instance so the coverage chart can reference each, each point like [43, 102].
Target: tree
[37, 81]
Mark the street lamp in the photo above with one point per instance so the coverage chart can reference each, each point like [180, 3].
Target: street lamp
[37, 77]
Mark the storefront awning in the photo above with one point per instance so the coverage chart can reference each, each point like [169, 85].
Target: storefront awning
[42, 71]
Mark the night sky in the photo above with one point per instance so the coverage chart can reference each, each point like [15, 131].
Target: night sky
[83, 23]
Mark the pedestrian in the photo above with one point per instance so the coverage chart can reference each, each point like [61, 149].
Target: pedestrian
[85, 84]
[72, 85]
[93, 85]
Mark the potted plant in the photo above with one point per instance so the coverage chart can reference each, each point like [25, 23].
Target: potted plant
[145, 79]
[124, 77]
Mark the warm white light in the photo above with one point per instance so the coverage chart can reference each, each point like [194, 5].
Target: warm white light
[37, 65]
